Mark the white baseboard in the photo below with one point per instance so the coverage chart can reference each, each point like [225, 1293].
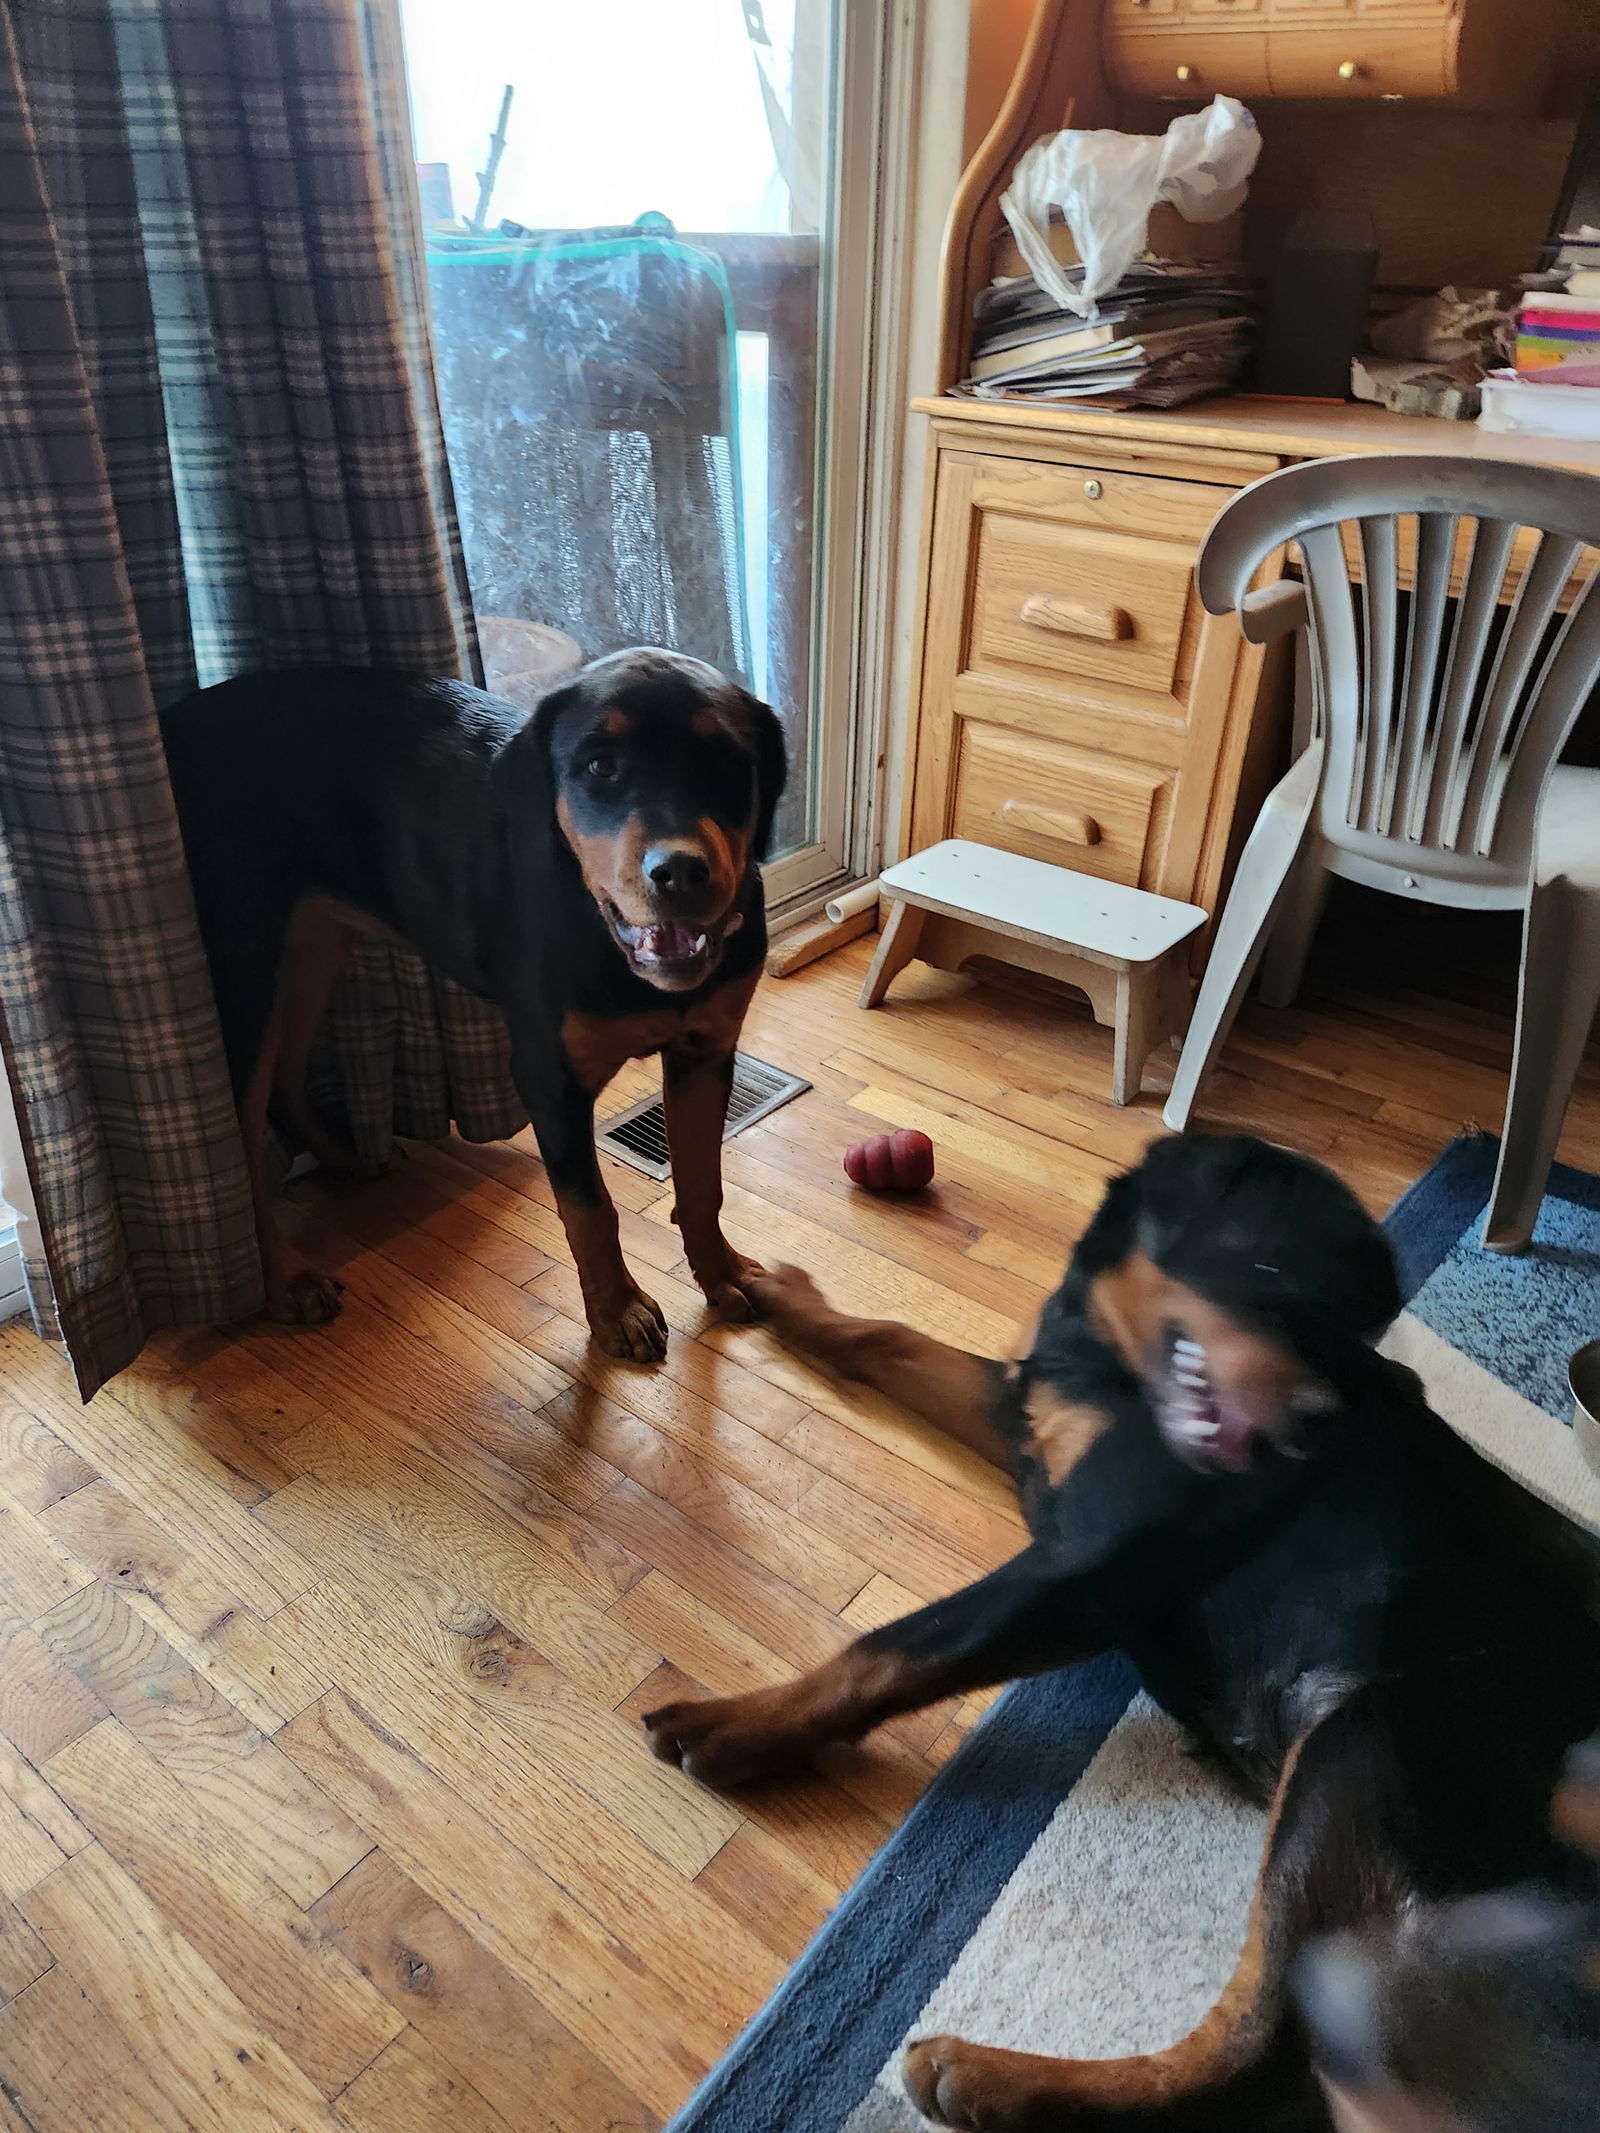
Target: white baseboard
[13, 1289]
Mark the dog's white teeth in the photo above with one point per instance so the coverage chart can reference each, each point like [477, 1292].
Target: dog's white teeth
[1198, 1426]
[700, 941]
[1189, 1362]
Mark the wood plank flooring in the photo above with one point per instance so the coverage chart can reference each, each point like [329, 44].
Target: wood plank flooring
[323, 1801]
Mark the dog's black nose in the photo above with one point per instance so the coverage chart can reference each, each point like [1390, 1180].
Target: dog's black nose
[676, 870]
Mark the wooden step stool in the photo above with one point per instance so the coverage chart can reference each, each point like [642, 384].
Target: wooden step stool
[1120, 946]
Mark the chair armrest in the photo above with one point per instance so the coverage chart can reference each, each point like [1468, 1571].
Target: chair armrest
[1274, 611]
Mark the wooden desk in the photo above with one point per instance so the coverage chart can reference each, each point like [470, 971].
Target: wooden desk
[1074, 702]
[1275, 431]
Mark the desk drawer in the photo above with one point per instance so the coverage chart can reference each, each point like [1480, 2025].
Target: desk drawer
[1366, 59]
[1177, 61]
[1075, 703]
[1110, 502]
[1086, 811]
[1057, 601]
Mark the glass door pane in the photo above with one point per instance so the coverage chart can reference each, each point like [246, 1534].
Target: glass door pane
[626, 206]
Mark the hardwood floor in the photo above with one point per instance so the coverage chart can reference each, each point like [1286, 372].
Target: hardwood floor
[323, 1801]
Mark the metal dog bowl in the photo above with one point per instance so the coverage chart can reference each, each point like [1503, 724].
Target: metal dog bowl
[1583, 1375]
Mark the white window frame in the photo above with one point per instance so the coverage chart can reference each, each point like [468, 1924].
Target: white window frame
[899, 94]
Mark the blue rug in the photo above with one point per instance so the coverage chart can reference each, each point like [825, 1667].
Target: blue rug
[1490, 1333]
[1046, 1824]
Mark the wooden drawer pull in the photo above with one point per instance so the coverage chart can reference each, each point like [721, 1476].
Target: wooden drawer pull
[1049, 822]
[1076, 618]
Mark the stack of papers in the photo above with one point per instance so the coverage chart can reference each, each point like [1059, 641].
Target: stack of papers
[1165, 334]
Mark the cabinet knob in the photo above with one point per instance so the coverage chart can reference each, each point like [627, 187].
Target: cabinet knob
[1186, 73]
[1094, 491]
[1351, 70]
[1066, 825]
[1076, 618]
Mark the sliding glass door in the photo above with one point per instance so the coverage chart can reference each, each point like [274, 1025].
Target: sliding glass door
[651, 386]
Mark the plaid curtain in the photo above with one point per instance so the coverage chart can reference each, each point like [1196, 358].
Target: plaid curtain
[219, 449]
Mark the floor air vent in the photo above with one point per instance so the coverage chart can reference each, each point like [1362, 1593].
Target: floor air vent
[638, 1136]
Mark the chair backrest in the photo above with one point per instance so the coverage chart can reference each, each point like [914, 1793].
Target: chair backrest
[1454, 637]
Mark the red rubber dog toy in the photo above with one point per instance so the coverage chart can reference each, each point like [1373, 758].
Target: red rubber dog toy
[891, 1162]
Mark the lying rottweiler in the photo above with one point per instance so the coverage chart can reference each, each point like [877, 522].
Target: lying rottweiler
[593, 869]
[1479, 2016]
[1309, 1569]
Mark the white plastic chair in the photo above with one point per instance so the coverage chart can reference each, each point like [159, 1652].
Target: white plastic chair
[1437, 713]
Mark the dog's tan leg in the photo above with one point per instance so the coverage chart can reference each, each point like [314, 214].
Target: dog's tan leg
[1021, 1619]
[559, 1091]
[734, 1740]
[296, 1294]
[623, 1319]
[946, 1386]
[988, 2090]
[694, 1088]
[695, 1081]
[1239, 2067]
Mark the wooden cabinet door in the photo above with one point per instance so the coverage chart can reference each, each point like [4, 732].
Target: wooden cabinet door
[1076, 702]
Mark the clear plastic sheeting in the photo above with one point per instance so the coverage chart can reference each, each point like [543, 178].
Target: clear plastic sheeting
[589, 388]
[1105, 185]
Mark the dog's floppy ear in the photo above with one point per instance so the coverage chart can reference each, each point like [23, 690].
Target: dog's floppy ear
[527, 755]
[772, 766]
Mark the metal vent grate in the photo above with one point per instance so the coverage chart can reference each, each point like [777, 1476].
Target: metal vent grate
[638, 1136]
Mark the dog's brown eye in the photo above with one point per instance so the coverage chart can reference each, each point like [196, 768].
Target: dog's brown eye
[601, 766]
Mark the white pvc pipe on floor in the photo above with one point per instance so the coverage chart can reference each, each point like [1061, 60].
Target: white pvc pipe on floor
[852, 902]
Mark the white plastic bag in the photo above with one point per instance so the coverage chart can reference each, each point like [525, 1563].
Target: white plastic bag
[1105, 184]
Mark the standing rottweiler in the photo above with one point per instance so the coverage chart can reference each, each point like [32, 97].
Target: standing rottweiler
[593, 869]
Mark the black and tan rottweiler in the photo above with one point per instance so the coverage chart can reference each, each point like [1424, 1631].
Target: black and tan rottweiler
[592, 869]
[1310, 1571]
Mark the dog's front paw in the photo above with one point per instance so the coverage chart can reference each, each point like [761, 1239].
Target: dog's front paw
[723, 1741]
[784, 1295]
[728, 1290]
[300, 1296]
[635, 1331]
[976, 2088]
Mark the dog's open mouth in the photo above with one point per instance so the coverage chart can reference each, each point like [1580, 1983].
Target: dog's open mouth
[1198, 1422]
[1212, 1426]
[667, 953]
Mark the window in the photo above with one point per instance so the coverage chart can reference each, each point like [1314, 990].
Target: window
[651, 234]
